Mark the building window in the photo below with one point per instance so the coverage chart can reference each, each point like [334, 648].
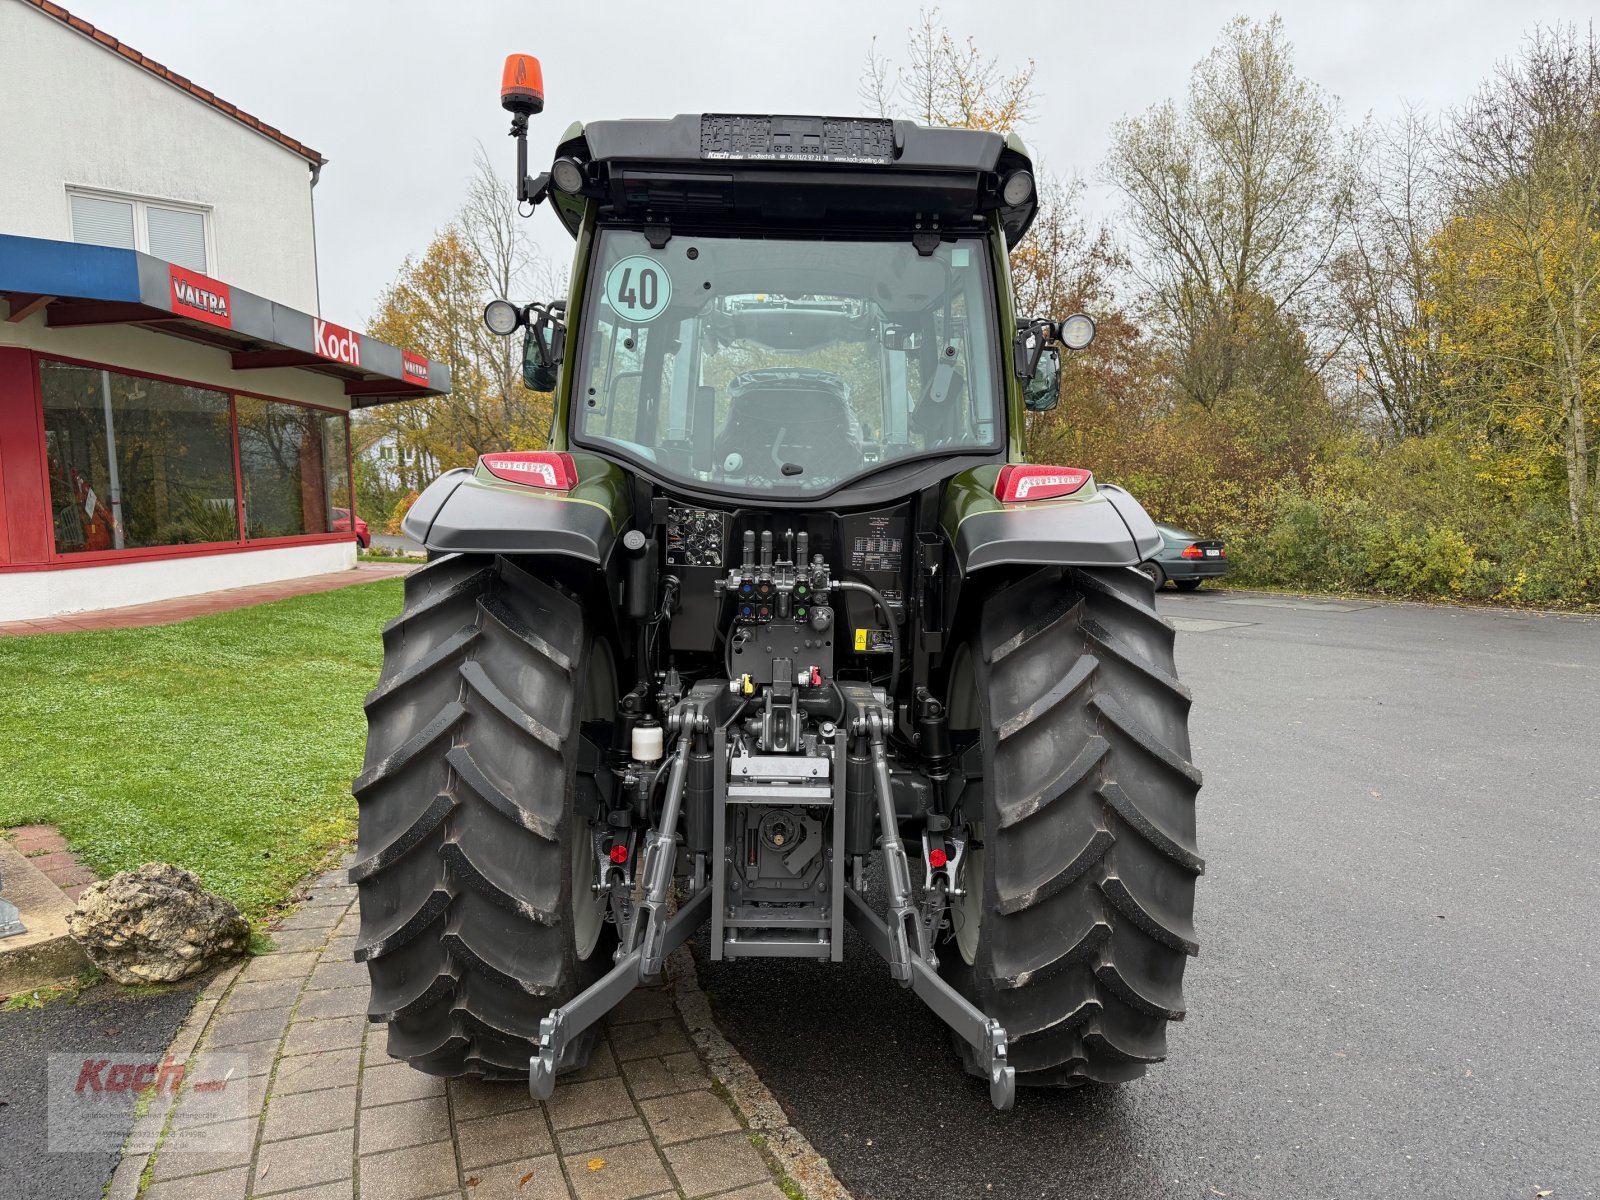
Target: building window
[136, 462]
[336, 470]
[171, 232]
[295, 468]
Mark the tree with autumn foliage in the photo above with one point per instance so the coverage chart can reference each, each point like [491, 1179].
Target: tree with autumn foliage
[435, 305]
[1236, 200]
[1519, 262]
[1063, 265]
[1369, 359]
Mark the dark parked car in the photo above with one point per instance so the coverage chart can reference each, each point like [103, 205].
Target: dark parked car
[1185, 559]
[341, 524]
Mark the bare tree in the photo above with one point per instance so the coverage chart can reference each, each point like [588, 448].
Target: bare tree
[437, 303]
[1525, 155]
[509, 268]
[1237, 202]
[947, 82]
[876, 88]
[1385, 279]
[1062, 266]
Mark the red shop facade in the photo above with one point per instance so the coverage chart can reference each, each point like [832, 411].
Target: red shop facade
[164, 434]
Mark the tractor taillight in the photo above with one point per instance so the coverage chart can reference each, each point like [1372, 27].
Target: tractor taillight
[549, 469]
[1026, 481]
[1193, 552]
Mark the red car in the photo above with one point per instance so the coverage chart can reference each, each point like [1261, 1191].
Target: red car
[339, 522]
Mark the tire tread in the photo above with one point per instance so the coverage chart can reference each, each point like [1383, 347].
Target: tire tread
[1083, 961]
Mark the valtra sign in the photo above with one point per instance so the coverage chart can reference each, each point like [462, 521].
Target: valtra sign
[415, 368]
[200, 297]
[336, 342]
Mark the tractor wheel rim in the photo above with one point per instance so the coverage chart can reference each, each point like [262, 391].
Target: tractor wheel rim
[588, 910]
[589, 907]
[967, 911]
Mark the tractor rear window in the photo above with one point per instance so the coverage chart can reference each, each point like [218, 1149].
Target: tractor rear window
[787, 367]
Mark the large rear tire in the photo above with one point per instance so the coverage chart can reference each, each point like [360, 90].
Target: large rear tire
[1078, 918]
[475, 855]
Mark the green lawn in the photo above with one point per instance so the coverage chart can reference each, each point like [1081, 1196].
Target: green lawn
[224, 744]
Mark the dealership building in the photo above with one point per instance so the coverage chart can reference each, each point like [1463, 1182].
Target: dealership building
[174, 409]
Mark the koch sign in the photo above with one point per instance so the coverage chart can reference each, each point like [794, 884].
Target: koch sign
[336, 342]
[93, 1098]
[201, 297]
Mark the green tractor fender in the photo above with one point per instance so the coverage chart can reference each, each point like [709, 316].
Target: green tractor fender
[470, 511]
[1100, 525]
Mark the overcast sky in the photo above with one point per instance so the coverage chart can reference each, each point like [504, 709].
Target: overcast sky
[397, 93]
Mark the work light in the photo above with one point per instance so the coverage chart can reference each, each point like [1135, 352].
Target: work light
[1077, 331]
[1017, 188]
[502, 317]
[567, 174]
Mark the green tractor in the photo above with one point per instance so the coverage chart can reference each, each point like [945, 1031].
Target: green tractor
[781, 610]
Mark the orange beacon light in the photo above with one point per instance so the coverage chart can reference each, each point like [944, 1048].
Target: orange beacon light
[522, 85]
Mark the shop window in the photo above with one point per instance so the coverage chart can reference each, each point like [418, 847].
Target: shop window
[295, 469]
[168, 231]
[336, 465]
[136, 462]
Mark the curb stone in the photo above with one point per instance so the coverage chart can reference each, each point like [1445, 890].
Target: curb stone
[750, 1097]
[124, 1184]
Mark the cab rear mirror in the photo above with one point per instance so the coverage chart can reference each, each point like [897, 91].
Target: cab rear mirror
[1042, 392]
[543, 347]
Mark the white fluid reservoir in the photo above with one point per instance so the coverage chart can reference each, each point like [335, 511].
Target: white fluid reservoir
[649, 742]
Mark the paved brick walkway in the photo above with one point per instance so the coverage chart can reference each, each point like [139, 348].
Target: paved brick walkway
[165, 612]
[331, 1116]
[44, 846]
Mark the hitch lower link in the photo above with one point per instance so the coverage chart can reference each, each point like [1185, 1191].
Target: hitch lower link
[918, 969]
[647, 937]
[649, 934]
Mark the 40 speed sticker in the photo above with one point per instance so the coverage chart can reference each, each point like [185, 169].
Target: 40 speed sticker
[638, 288]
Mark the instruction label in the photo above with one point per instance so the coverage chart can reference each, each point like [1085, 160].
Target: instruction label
[874, 641]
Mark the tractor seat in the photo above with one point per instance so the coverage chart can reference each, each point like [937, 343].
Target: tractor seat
[777, 417]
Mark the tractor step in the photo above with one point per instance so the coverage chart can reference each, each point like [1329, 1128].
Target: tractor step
[805, 924]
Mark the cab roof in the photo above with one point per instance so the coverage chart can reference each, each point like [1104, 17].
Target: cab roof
[725, 170]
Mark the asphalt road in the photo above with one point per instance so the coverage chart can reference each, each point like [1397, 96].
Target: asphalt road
[105, 1021]
[1396, 993]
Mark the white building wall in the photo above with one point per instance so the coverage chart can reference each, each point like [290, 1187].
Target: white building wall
[73, 112]
[33, 595]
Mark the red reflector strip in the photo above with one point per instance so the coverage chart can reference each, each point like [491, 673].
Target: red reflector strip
[533, 468]
[619, 854]
[1018, 482]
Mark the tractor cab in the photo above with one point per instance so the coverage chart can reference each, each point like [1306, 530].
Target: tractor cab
[712, 247]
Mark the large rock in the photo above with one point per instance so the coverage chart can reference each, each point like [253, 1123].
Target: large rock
[156, 924]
